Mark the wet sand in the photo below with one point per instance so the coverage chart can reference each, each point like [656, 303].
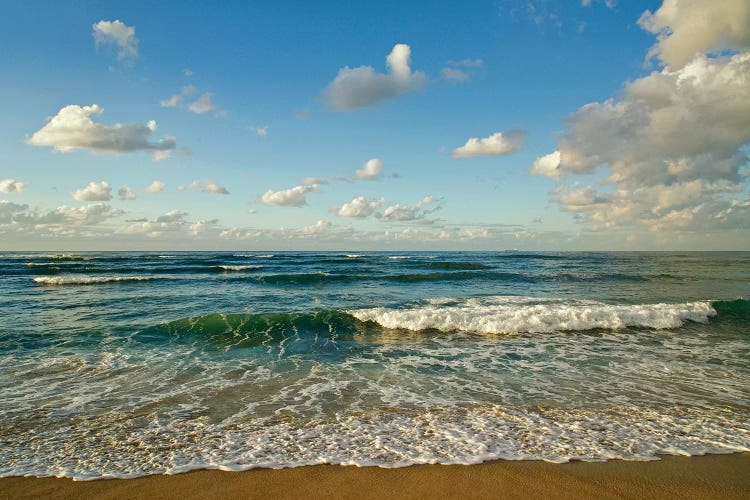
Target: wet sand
[712, 476]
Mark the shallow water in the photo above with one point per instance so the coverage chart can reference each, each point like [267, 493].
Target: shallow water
[126, 364]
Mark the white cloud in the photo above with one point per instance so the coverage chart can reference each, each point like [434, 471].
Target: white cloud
[401, 213]
[294, 197]
[461, 71]
[203, 226]
[425, 201]
[175, 99]
[370, 170]
[261, 131]
[455, 75]
[155, 187]
[172, 221]
[609, 3]
[689, 27]
[203, 104]
[548, 165]
[308, 181]
[11, 186]
[94, 191]
[467, 63]
[118, 34]
[494, 145]
[62, 221]
[205, 186]
[359, 207]
[125, 194]
[672, 144]
[364, 87]
[72, 128]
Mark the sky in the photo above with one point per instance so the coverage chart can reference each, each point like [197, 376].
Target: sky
[391, 125]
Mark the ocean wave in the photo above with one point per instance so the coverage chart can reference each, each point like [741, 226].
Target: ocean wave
[254, 256]
[87, 280]
[228, 268]
[307, 278]
[510, 315]
[455, 265]
[247, 330]
[486, 315]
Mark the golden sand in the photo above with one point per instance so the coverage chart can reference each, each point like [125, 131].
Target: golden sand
[713, 476]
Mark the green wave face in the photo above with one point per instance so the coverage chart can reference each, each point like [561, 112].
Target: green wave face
[249, 330]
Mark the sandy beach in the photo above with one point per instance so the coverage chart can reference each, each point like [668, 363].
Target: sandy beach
[712, 476]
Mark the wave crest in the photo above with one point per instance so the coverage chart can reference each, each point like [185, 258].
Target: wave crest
[87, 280]
[509, 315]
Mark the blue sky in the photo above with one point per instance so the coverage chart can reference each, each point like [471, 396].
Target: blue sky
[267, 127]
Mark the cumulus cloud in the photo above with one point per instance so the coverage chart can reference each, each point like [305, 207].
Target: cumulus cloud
[364, 87]
[61, 221]
[203, 104]
[172, 221]
[119, 35]
[175, 99]
[94, 191]
[672, 144]
[359, 207]
[11, 186]
[205, 186]
[294, 197]
[72, 128]
[497, 144]
[401, 213]
[370, 170]
[155, 187]
[686, 28]
[125, 194]
[548, 165]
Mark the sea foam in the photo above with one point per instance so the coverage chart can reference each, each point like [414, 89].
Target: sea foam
[507, 315]
[87, 280]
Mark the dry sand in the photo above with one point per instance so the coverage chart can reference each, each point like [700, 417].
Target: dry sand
[713, 476]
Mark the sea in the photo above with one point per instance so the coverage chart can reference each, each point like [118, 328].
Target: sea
[137, 363]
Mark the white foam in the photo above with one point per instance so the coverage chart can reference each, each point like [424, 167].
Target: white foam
[240, 268]
[354, 255]
[87, 280]
[507, 315]
[255, 256]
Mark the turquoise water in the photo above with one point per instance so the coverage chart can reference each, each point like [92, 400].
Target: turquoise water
[127, 364]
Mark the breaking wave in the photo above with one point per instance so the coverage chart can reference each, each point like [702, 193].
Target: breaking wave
[87, 280]
[509, 315]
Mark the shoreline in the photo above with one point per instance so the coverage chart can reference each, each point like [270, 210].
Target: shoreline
[706, 476]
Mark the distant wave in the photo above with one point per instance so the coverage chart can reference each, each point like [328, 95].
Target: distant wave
[508, 315]
[455, 265]
[307, 278]
[228, 268]
[540, 256]
[255, 256]
[87, 280]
